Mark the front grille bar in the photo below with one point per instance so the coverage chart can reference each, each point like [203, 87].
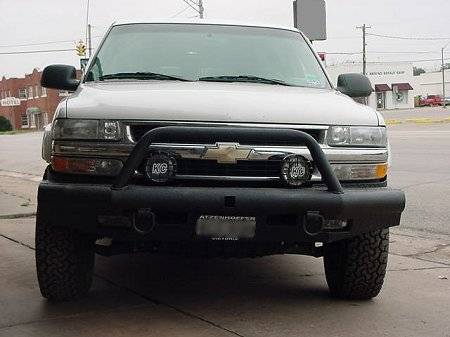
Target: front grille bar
[253, 134]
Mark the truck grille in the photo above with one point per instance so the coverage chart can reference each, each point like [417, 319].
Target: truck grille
[137, 131]
[243, 168]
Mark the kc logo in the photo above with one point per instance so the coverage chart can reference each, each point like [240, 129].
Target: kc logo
[297, 171]
[159, 168]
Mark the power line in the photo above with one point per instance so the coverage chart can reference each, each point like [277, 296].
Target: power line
[180, 12]
[413, 61]
[36, 51]
[344, 53]
[196, 6]
[383, 52]
[409, 38]
[192, 5]
[35, 44]
[42, 43]
[403, 52]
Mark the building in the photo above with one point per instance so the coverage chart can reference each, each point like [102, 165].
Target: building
[393, 82]
[26, 104]
[431, 83]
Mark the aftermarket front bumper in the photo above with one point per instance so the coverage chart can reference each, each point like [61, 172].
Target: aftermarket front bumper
[282, 215]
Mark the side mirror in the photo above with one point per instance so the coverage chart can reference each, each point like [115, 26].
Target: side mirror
[354, 85]
[60, 77]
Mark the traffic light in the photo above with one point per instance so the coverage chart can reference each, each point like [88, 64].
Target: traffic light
[80, 48]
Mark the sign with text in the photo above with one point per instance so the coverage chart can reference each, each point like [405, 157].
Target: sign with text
[386, 73]
[10, 101]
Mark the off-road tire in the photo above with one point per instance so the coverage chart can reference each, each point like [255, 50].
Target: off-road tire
[64, 261]
[355, 268]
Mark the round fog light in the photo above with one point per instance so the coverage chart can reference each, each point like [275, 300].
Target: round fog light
[296, 170]
[160, 168]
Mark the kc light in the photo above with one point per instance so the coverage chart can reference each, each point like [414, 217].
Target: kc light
[296, 170]
[160, 167]
[86, 129]
[362, 136]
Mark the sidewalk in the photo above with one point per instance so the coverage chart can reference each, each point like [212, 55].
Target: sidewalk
[145, 295]
[17, 196]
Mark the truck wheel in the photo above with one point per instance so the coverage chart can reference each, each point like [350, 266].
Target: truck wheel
[64, 262]
[355, 267]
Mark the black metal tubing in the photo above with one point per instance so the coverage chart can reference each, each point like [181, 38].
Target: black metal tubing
[179, 132]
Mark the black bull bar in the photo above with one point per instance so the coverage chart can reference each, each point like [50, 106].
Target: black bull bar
[251, 135]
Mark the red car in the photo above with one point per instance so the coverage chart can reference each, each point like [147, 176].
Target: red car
[431, 100]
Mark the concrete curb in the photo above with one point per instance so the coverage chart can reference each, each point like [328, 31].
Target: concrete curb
[17, 216]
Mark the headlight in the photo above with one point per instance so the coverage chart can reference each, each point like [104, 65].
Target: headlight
[86, 129]
[363, 136]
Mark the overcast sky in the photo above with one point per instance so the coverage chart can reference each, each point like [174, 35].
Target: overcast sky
[32, 22]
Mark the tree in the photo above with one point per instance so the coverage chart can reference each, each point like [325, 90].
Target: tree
[5, 125]
[418, 71]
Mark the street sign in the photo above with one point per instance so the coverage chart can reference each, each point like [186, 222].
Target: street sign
[310, 16]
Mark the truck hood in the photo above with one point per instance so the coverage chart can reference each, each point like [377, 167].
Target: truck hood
[216, 102]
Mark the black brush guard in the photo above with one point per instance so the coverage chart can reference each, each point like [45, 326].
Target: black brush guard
[82, 205]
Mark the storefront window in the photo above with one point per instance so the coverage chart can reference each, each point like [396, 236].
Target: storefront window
[24, 121]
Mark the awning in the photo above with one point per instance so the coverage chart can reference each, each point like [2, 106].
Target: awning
[402, 86]
[382, 88]
[33, 111]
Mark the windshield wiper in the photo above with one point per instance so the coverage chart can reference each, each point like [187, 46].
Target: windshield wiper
[142, 76]
[243, 78]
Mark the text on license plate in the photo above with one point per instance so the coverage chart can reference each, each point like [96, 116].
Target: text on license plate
[226, 228]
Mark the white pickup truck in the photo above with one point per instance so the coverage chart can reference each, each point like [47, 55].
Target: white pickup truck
[213, 139]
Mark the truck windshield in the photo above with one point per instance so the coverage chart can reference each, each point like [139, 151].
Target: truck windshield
[218, 53]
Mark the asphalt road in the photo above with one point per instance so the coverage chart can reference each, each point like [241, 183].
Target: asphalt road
[22, 153]
[421, 167]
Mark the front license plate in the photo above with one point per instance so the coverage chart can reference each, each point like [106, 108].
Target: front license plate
[226, 228]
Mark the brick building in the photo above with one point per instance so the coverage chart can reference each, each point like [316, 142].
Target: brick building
[26, 104]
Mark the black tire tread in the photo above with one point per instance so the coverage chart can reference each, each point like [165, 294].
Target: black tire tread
[355, 268]
[64, 262]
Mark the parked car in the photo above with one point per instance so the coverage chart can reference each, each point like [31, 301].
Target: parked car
[447, 100]
[206, 139]
[431, 100]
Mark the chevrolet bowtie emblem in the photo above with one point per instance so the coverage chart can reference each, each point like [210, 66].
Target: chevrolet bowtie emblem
[226, 153]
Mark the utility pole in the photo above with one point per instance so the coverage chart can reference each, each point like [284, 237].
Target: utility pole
[87, 22]
[364, 28]
[200, 9]
[443, 78]
[89, 40]
[197, 6]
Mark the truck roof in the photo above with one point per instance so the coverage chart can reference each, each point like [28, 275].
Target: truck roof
[202, 22]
